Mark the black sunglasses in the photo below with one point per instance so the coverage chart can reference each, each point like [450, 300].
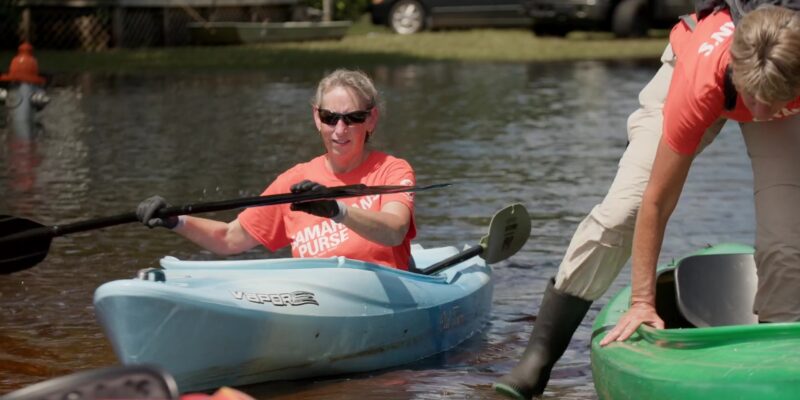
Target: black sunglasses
[331, 118]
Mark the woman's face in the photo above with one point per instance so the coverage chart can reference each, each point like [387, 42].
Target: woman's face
[761, 111]
[343, 122]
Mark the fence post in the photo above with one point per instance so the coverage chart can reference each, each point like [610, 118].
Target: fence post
[25, 25]
[118, 26]
[326, 10]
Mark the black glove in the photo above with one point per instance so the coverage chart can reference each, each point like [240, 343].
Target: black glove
[320, 208]
[148, 208]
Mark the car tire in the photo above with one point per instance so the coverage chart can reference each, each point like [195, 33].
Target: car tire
[631, 18]
[407, 17]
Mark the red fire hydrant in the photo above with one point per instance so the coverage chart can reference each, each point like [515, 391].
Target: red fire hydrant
[22, 90]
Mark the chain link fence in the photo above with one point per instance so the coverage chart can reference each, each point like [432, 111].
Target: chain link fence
[9, 23]
[98, 25]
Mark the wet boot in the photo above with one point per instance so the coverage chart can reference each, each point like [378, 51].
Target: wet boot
[560, 315]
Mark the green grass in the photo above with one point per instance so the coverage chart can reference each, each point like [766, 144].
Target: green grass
[364, 45]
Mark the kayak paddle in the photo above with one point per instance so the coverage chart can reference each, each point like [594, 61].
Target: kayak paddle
[25, 243]
[117, 382]
[509, 229]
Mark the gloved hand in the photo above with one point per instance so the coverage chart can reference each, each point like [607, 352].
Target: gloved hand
[148, 208]
[321, 208]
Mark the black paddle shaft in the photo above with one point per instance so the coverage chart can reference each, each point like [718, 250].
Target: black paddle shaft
[104, 222]
[453, 260]
[25, 243]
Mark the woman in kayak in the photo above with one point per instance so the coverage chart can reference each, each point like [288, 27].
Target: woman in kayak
[602, 243]
[376, 228]
[763, 57]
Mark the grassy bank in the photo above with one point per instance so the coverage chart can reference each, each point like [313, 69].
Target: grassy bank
[364, 45]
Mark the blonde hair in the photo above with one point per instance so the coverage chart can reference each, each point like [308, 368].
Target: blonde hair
[765, 54]
[354, 80]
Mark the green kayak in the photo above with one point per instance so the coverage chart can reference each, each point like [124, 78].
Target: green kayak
[712, 347]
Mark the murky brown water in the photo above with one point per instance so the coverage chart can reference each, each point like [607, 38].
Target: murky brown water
[548, 136]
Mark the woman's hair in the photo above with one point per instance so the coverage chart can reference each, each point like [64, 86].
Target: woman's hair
[765, 54]
[356, 81]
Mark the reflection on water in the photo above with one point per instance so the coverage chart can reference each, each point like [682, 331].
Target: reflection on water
[23, 161]
[546, 135]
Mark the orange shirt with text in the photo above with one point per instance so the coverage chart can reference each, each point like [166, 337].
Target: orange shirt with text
[696, 94]
[311, 236]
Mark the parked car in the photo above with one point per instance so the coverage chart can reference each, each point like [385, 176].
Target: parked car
[411, 16]
[626, 18]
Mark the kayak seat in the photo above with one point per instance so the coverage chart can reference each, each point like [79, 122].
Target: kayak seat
[717, 290]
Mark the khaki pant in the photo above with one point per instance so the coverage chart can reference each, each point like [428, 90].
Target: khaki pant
[602, 243]
[774, 150]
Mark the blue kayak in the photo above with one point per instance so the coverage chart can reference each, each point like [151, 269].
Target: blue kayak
[227, 323]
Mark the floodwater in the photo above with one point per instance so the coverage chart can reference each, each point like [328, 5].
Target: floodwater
[546, 135]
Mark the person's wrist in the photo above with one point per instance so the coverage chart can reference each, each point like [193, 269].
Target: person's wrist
[642, 302]
[179, 221]
[342, 214]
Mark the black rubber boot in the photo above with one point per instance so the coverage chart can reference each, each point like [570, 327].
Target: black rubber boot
[559, 316]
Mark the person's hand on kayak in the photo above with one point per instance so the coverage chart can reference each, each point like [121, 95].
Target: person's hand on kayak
[322, 208]
[639, 313]
[147, 210]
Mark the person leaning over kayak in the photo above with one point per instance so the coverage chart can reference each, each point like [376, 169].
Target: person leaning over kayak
[602, 242]
[763, 57]
[375, 229]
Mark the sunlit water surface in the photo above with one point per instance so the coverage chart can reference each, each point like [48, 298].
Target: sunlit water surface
[546, 135]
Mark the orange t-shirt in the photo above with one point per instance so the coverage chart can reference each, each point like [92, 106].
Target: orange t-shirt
[696, 93]
[311, 236]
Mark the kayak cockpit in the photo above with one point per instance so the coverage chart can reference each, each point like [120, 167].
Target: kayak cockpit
[424, 258]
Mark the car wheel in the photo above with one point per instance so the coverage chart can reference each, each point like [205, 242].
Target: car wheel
[407, 17]
[631, 19]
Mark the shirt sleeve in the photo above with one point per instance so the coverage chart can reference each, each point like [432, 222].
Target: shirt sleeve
[399, 172]
[266, 223]
[695, 99]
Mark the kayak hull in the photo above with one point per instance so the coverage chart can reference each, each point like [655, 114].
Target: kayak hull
[719, 362]
[229, 323]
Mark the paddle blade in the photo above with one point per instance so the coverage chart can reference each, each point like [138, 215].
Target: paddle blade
[118, 382]
[18, 249]
[508, 232]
